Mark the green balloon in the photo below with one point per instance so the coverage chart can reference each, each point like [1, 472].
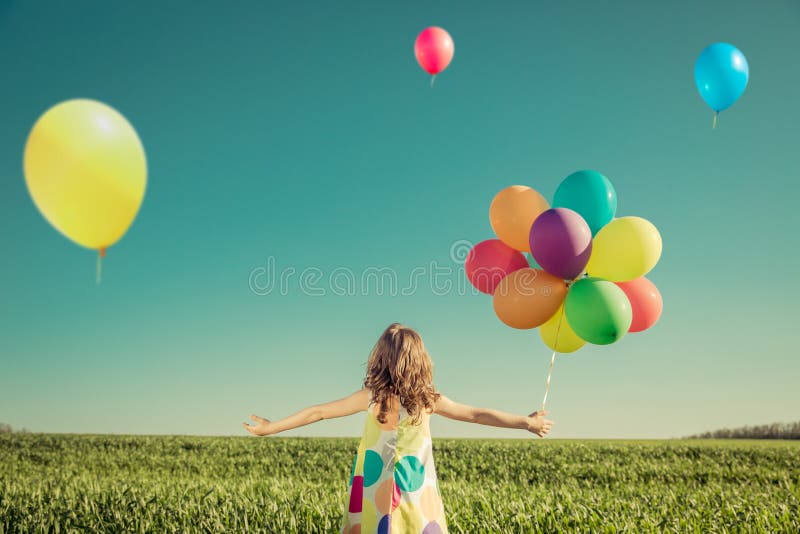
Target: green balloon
[598, 310]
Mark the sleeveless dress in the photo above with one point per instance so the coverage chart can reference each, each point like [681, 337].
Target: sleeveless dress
[393, 486]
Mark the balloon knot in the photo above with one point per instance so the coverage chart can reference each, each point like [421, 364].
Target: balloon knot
[102, 252]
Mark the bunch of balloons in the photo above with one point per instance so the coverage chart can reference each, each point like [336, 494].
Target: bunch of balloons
[85, 169]
[588, 281]
[721, 73]
[434, 50]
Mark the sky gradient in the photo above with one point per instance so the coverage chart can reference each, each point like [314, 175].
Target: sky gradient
[308, 134]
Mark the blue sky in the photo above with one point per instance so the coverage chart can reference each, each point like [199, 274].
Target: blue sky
[308, 134]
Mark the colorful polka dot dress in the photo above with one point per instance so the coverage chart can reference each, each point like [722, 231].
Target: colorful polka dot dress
[393, 487]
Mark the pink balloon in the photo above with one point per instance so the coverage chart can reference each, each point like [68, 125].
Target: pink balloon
[489, 262]
[646, 303]
[434, 49]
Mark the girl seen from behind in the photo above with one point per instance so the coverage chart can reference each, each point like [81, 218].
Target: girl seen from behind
[393, 484]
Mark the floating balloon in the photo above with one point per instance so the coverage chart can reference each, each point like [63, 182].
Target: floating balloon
[85, 169]
[489, 262]
[590, 194]
[646, 303]
[512, 213]
[626, 248]
[559, 335]
[528, 297]
[721, 73]
[561, 242]
[598, 310]
[434, 50]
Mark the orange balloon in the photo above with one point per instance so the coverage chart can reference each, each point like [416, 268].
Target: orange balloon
[512, 213]
[527, 298]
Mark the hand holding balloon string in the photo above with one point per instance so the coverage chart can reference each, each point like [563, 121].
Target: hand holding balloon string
[537, 424]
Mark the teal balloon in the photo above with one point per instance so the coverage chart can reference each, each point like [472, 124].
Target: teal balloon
[598, 311]
[591, 194]
[721, 74]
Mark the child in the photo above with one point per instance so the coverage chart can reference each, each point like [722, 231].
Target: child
[393, 481]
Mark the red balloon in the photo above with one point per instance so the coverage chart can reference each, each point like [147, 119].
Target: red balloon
[646, 303]
[434, 49]
[489, 262]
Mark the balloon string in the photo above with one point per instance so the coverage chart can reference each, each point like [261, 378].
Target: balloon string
[552, 361]
[547, 384]
[714, 125]
[433, 79]
[101, 253]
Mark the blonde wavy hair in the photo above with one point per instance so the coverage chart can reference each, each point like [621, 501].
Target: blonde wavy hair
[400, 366]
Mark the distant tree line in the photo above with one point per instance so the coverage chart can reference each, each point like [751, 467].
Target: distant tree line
[6, 429]
[773, 431]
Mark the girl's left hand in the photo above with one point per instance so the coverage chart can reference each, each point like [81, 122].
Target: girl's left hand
[538, 425]
[260, 428]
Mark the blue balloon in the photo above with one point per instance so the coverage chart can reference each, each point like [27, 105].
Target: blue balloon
[590, 194]
[721, 75]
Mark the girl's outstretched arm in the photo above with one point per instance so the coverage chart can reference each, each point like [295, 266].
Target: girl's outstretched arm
[535, 422]
[357, 402]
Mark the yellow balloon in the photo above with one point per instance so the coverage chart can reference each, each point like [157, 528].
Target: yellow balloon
[86, 171]
[560, 339]
[624, 249]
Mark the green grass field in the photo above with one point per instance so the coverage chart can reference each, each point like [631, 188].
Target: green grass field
[62, 483]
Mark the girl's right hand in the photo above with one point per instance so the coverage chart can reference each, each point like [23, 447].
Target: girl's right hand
[538, 425]
[260, 428]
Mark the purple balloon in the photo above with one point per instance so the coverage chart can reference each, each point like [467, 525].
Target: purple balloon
[561, 242]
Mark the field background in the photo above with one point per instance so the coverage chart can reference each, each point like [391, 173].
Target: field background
[62, 483]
